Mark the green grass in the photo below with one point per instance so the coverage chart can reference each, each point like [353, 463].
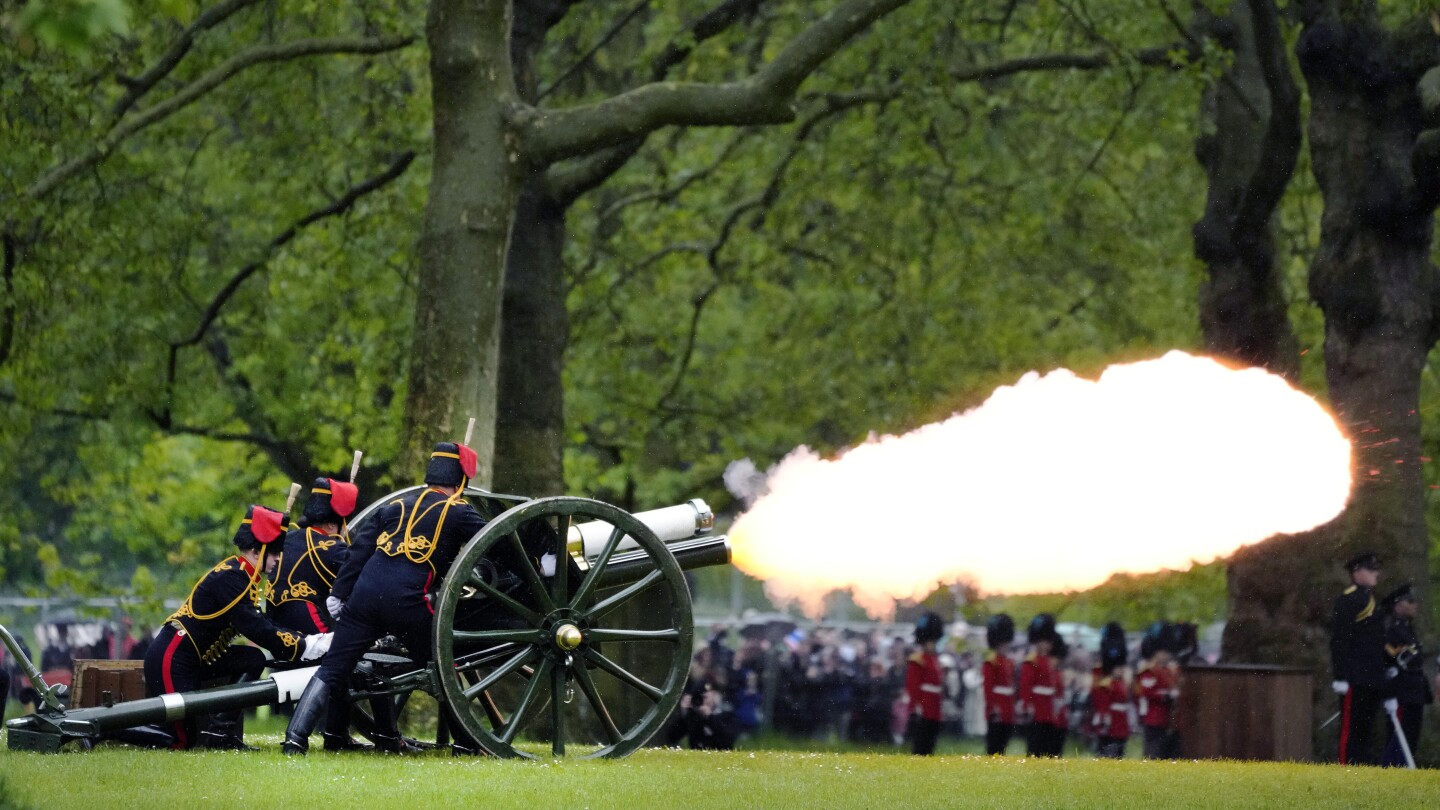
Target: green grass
[113, 777]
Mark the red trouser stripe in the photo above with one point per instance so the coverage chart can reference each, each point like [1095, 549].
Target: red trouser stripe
[1345, 728]
[315, 614]
[181, 741]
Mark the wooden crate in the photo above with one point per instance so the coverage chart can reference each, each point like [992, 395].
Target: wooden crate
[124, 680]
[1245, 711]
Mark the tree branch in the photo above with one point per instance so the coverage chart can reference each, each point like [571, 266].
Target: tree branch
[1065, 61]
[139, 86]
[585, 58]
[1280, 144]
[193, 91]
[547, 136]
[212, 311]
[268, 443]
[565, 184]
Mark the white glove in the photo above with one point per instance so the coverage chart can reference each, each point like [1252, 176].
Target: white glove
[316, 645]
[1341, 687]
[1391, 705]
[1391, 672]
[334, 605]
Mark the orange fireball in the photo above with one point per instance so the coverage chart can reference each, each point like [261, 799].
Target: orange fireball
[1054, 483]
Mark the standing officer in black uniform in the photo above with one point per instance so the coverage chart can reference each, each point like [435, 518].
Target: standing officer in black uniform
[194, 643]
[1357, 654]
[311, 558]
[397, 563]
[1405, 671]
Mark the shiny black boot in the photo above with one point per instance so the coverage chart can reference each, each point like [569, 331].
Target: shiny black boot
[314, 702]
[337, 729]
[227, 729]
[387, 729]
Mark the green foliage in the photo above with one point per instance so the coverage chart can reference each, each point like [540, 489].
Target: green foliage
[74, 26]
[1195, 595]
[117, 465]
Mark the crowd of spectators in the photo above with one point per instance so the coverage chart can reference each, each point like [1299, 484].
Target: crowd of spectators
[832, 685]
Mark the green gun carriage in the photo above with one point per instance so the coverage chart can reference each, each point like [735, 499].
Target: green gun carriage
[563, 628]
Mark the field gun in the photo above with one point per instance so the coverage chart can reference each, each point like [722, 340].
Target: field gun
[529, 613]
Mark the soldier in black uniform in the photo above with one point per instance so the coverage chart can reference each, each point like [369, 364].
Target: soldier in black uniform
[194, 643]
[1405, 672]
[311, 558]
[1357, 654]
[397, 564]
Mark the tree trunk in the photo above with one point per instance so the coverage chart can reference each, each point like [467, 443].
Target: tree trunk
[530, 436]
[1373, 278]
[1249, 157]
[454, 359]
[534, 324]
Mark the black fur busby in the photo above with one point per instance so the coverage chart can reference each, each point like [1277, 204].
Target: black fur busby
[999, 630]
[1113, 649]
[1042, 628]
[930, 627]
[451, 465]
[1150, 641]
[330, 501]
[260, 526]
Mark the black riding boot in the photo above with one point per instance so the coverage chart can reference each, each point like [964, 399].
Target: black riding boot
[314, 702]
[337, 729]
[227, 729]
[387, 729]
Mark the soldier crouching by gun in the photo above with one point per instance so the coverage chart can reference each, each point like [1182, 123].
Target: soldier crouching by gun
[398, 561]
[311, 558]
[194, 644]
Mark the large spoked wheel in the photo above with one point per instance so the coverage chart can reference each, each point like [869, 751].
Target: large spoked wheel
[530, 656]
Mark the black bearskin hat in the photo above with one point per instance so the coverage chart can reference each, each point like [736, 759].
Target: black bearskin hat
[930, 627]
[1152, 641]
[999, 630]
[1113, 650]
[329, 502]
[260, 527]
[1042, 628]
[451, 465]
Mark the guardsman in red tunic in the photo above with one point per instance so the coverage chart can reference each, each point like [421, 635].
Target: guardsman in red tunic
[1110, 712]
[1156, 690]
[1110, 695]
[924, 686]
[998, 681]
[1042, 692]
[194, 644]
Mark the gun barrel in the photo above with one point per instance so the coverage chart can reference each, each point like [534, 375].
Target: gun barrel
[47, 731]
[699, 552]
[670, 524]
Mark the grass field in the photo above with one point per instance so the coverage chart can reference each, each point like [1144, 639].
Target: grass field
[114, 777]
